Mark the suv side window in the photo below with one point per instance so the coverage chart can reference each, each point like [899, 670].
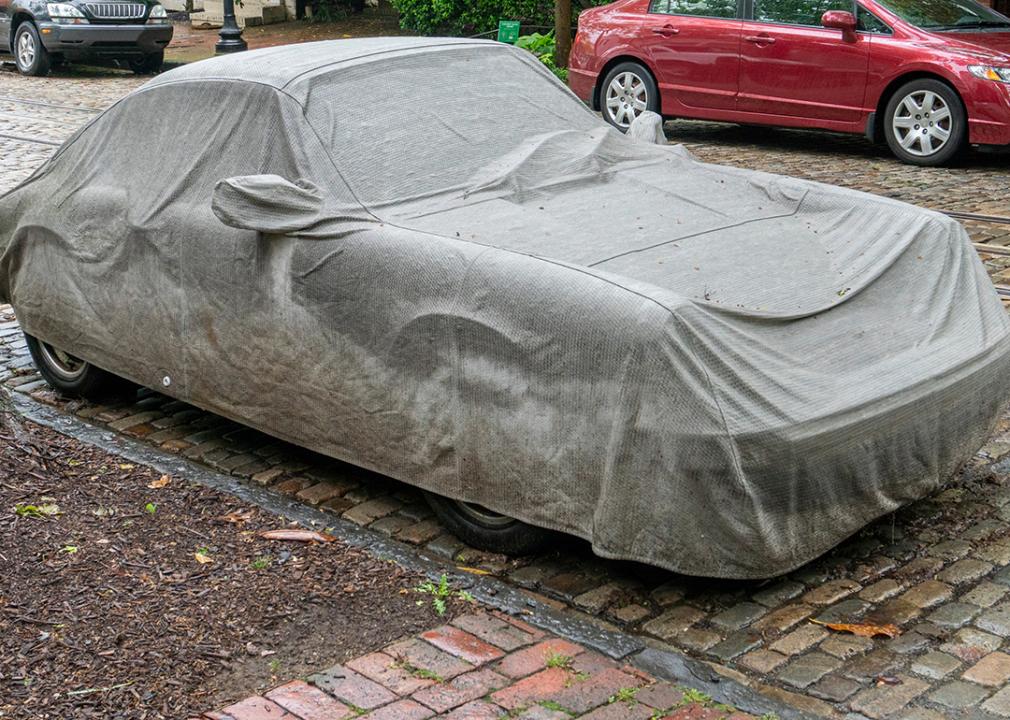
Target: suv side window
[700, 8]
[868, 22]
[797, 12]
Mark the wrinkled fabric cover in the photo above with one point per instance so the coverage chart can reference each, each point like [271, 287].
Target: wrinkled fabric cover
[487, 292]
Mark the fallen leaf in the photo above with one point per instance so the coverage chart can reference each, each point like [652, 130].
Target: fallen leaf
[160, 482]
[887, 680]
[202, 559]
[237, 517]
[862, 630]
[297, 535]
[473, 570]
[126, 466]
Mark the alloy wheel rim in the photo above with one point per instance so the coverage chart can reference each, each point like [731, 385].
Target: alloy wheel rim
[922, 123]
[62, 364]
[627, 98]
[26, 50]
[483, 516]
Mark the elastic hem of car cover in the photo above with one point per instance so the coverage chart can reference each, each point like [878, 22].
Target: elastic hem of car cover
[650, 655]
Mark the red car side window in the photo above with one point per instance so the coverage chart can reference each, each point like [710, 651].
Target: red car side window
[698, 8]
[797, 12]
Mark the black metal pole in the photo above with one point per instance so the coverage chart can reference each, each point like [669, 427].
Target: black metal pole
[231, 34]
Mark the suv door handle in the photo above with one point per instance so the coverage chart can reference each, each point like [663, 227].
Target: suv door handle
[666, 30]
[759, 39]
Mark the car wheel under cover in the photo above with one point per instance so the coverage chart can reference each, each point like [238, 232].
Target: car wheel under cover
[485, 529]
[71, 375]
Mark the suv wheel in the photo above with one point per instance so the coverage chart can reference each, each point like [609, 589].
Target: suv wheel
[30, 55]
[147, 64]
[485, 529]
[627, 91]
[70, 375]
[925, 123]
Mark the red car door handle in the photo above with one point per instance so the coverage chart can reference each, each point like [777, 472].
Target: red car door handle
[666, 30]
[759, 39]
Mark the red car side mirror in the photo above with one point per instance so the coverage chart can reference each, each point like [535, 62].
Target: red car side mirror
[841, 20]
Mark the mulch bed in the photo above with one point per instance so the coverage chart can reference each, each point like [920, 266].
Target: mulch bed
[106, 610]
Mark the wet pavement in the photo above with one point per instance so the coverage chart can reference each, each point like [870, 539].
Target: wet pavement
[939, 569]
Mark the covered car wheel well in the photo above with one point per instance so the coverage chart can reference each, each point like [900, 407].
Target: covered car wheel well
[892, 88]
[611, 64]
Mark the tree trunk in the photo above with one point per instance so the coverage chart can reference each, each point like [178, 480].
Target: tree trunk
[562, 31]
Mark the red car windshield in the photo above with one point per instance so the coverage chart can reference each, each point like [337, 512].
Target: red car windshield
[946, 14]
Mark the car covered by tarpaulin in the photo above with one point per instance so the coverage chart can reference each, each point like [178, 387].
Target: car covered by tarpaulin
[428, 258]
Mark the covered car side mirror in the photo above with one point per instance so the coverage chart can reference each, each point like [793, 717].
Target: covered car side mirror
[840, 20]
[267, 203]
[648, 127]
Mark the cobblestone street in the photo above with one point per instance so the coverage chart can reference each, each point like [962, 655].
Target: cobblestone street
[939, 569]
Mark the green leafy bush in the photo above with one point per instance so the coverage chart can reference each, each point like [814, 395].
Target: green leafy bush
[473, 17]
[542, 45]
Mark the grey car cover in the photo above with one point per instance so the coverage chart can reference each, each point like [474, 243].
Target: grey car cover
[428, 258]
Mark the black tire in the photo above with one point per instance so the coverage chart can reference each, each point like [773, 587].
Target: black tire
[72, 376]
[641, 83]
[26, 40]
[498, 533]
[912, 143]
[147, 64]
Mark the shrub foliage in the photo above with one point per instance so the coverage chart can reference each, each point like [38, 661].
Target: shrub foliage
[472, 17]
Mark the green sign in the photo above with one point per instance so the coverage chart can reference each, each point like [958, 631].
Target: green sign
[508, 31]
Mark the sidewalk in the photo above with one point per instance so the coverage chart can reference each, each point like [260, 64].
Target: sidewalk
[482, 665]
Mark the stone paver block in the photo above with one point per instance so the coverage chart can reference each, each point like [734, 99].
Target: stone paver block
[957, 695]
[999, 704]
[371, 510]
[993, 670]
[808, 669]
[735, 645]
[673, 622]
[762, 661]
[422, 656]
[996, 620]
[951, 550]
[881, 590]
[964, 571]
[529, 660]
[532, 689]
[462, 645]
[352, 688]
[257, 708]
[846, 646]
[985, 594]
[476, 710]
[420, 532]
[308, 702]
[319, 493]
[698, 639]
[831, 592]
[935, 665]
[800, 640]
[778, 594]
[834, 688]
[883, 700]
[630, 614]
[783, 619]
[389, 673]
[400, 710]
[928, 593]
[600, 598]
[462, 689]
[872, 665]
[738, 616]
[846, 611]
[953, 615]
[495, 631]
[971, 644]
[659, 696]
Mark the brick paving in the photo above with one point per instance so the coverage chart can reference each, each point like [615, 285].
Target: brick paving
[939, 568]
[483, 665]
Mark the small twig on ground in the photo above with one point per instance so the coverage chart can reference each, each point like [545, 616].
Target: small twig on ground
[90, 691]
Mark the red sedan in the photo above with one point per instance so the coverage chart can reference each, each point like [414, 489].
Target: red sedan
[926, 75]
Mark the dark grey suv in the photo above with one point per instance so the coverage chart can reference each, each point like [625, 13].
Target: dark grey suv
[39, 33]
